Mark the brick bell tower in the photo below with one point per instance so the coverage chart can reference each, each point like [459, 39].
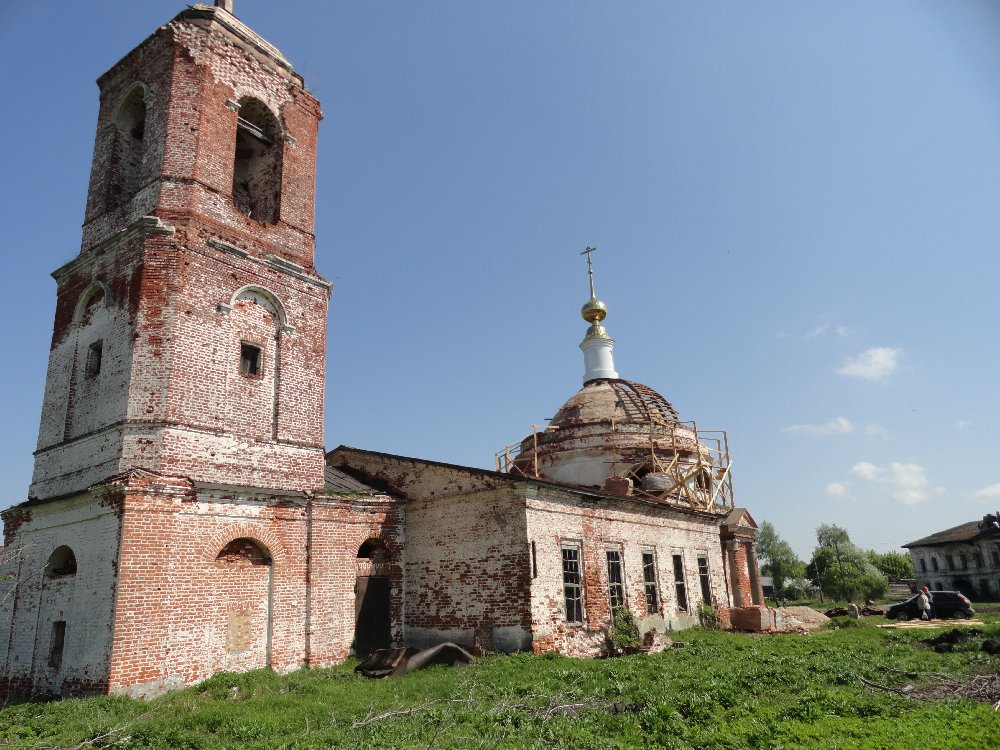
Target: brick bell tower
[190, 331]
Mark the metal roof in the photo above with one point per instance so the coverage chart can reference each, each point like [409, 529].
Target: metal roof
[966, 532]
[335, 479]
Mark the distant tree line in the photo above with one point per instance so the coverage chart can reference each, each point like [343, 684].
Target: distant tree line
[838, 567]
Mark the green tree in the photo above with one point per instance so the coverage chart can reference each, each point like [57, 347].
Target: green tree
[892, 564]
[841, 568]
[779, 560]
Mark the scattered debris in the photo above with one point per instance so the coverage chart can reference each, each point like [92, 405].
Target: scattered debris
[555, 707]
[869, 610]
[946, 642]
[654, 642]
[801, 619]
[980, 687]
[394, 662]
[928, 624]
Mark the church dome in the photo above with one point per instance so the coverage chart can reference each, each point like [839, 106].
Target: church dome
[610, 427]
[620, 401]
[618, 430]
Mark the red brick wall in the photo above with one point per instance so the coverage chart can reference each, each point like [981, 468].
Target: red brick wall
[170, 397]
[467, 570]
[557, 517]
[179, 610]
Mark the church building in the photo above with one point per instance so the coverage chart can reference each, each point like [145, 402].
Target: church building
[183, 516]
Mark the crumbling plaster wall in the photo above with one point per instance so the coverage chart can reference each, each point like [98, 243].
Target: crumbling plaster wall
[194, 72]
[466, 571]
[555, 517]
[340, 526]
[170, 397]
[182, 616]
[32, 602]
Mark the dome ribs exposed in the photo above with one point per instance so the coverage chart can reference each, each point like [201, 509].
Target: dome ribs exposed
[642, 404]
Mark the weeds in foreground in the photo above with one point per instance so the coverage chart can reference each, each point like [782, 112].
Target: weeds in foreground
[722, 690]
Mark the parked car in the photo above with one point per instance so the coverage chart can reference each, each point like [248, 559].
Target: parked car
[944, 604]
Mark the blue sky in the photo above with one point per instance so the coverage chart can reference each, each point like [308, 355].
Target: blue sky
[796, 205]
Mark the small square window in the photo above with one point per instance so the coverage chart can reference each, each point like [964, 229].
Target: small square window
[250, 359]
[94, 355]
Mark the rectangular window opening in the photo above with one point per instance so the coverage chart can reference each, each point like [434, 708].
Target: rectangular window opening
[572, 584]
[534, 561]
[94, 355]
[705, 579]
[250, 359]
[679, 584]
[934, 563]
[923, 565]
[58, 642]
[649, 583]
[616, 581]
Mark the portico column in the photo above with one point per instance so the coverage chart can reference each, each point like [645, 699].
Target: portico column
[756, 592]
[735, 590]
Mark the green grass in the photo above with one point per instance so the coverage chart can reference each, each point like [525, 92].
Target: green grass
[722, 690]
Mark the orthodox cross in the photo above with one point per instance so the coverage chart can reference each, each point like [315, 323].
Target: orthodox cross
[590, 267]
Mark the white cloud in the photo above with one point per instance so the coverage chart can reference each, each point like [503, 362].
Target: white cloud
[990, 493]
[866, 470]
[836, 426]
[836, 489]
[961, 424]
[877, 363]
[906, 482]
[909, 485]
[842, 331]
[817, 331]
[876, 430]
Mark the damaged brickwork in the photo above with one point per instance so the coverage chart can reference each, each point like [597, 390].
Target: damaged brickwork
[183, 518]
[174, 277]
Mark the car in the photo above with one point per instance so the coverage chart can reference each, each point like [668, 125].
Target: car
[944, 604]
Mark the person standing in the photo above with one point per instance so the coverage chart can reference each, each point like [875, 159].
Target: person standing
[924, 605]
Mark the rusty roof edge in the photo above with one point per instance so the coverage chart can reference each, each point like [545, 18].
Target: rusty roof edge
[429, 462]
[519, 480]
[964, 532]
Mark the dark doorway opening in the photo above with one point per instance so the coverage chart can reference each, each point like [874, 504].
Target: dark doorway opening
[372, 624]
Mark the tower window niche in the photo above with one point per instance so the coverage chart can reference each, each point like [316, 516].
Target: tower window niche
[250, 360]
[127, 147]
[95, 353]
[257, 163]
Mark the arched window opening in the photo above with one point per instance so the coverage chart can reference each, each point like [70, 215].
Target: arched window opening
[257, 162]
[373, 558]
[266, 300]
[243, 552]
[61, 563]
[92, 302]
[127, 147]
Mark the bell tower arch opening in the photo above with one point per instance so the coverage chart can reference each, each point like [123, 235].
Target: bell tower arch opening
[257, 162]
[128, 131]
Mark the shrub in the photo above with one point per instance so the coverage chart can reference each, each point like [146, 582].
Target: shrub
[624, 631]
[707, 616]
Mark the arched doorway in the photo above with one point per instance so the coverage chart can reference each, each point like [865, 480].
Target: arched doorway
[372, 619]
[243, 581]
